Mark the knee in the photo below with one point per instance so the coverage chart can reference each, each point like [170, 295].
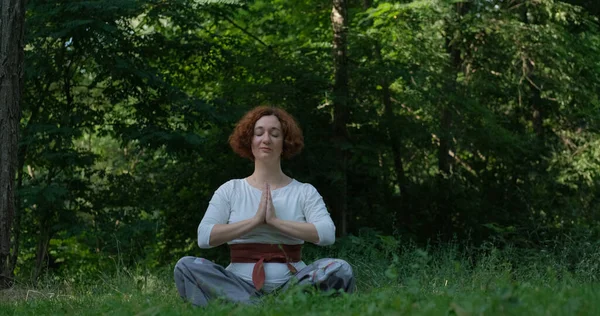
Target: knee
[185, 262]
[339, 275]
[345, 270]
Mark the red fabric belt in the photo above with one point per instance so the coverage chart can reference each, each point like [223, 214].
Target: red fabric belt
[260, 253]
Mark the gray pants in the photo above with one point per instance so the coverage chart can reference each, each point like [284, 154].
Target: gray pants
[199, 280]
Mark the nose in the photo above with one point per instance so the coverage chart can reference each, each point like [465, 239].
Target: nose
[266, 138]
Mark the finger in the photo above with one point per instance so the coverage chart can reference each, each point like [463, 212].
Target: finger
[269, 193]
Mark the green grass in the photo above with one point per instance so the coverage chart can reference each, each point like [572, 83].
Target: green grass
[411, 281]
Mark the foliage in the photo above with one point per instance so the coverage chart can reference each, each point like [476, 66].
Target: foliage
[485, 280]
[128, 106]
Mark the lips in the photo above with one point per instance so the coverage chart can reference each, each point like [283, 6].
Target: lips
[265, 148]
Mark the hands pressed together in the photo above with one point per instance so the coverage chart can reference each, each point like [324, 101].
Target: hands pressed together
[266, 211]
[266, 215]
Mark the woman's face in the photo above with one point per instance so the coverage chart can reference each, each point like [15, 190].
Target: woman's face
[267, 141]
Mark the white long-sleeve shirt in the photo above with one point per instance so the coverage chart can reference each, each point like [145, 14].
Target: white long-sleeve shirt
[237, 200]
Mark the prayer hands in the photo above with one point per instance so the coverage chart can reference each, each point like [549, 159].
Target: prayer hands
[266, 211]
[262, 207]
[270, 209]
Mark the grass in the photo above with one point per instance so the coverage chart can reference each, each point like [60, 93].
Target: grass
[443, 281]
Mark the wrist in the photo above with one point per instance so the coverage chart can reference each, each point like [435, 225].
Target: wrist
[274, 221]
[257, 221]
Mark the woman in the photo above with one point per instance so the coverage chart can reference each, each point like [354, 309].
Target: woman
[265, 218]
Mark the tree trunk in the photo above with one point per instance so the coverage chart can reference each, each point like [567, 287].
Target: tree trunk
[41, 252]
[16, 231]
[12, 24]
[390, 118]
[537, 116]
[394, 136]
[444, 159]
[445, 206]
[339, 23]
[455, 67]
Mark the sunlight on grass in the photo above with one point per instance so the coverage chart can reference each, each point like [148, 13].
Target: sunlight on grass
[440, 282]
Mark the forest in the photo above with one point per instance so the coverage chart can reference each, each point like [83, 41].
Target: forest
[431, 127]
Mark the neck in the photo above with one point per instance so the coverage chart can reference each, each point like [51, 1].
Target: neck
[268, 172]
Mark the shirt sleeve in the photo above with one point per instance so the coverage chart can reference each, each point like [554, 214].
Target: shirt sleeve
[218, 211]
[316, 213]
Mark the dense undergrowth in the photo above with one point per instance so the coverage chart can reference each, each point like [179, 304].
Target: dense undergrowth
[392, 277]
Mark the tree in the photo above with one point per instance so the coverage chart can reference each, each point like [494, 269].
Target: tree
[12, 26]
[339, 23]
[127, 108]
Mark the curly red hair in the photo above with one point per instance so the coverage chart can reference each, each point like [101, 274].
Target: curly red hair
[241, 138]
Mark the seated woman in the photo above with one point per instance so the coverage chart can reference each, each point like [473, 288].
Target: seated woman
[265, 218]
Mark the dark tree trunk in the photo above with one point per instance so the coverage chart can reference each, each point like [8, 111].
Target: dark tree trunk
[455, 67]
[12, 24]
[537, 116]
[445, 206]
[394, 136]
[444, 159]
[41, 252]
[339, 23]
[16, 231]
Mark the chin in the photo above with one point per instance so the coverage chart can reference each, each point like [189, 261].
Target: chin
[266, 158]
